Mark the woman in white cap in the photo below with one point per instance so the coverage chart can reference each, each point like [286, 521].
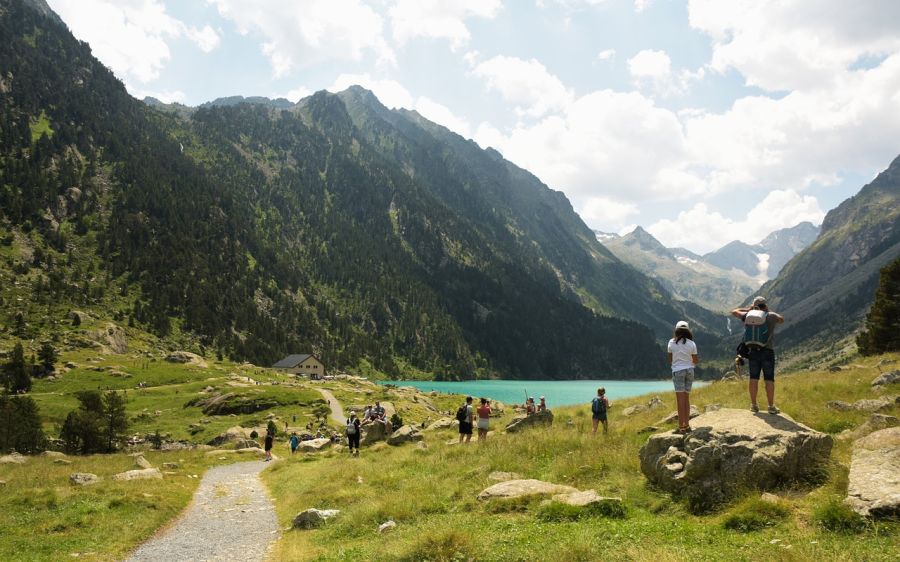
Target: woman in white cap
[682, 353]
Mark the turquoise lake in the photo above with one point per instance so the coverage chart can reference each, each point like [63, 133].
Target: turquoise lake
[557, 393]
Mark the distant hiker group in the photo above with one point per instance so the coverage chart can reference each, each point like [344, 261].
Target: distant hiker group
[757, 349]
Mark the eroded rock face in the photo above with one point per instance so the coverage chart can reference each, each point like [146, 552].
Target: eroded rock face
[374, 432]
[520, 488]
[874, 486]
[539, 419]
[733, 450]
[404, 434]
[887, 378]
[312, 518]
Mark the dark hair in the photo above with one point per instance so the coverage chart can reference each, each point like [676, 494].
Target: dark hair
[484, 400]
[682, 334]
[468, 399]
[601, 390]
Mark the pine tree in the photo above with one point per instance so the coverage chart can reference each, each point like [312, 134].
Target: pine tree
[882, 332]
[115, 419]
[16, 377]
[47, 355]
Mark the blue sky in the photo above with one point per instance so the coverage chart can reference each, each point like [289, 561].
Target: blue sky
[703, 121]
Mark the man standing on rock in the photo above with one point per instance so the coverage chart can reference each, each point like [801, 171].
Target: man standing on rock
[760, 340]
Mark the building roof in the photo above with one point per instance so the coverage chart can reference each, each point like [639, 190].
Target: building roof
[292, 361]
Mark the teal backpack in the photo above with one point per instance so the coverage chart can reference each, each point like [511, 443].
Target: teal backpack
[759, 334]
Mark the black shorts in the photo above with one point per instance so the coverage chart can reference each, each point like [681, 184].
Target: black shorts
[600, 417]
[465, 428]
[762, 359]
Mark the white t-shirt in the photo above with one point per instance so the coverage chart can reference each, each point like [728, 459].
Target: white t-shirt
[681, 354]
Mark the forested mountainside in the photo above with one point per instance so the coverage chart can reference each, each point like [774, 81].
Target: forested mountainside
[826, 290]
[685, 275]
[364, 235]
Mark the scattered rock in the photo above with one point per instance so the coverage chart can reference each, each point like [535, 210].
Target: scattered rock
[421, 446]
[874, 483]
[83, 478]
[655, 403]
[170, 465]
[62, 461]
[673, 417]
[71, 365]
[648, 429]
[835, 369]
[518, 423]
[632, 410]
[387, 526]
[232, 434]
[312, 518]
[733, 450]
[141, 462]
[313, 445]
[2, 482]
[876, 405]
[585, 498]
[874, 423]
[404, 434]
[498, 476]
[245, 444]
[711, 408]
[839, 405]
[53, 454]
[443, 423]
[769, 497]
[13, 458]
[186, 357]
[142, 474]
[520, 488]
[887, 378]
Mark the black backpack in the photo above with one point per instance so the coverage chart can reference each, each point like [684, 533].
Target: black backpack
[462, 413]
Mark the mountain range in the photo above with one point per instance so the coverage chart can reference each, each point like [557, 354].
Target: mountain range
[369, 236]
[718, 280]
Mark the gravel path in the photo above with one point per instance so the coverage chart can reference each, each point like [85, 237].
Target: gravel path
[230, 518]
[337, 412]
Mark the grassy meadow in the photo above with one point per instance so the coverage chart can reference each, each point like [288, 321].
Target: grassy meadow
[431, 493]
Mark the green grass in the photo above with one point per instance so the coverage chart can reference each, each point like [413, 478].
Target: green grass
[431, 494]
[41, 126]
[44, 517]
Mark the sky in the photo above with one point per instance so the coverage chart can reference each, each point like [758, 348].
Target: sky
[703, 121]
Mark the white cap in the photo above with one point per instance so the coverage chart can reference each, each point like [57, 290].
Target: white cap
[682, 324]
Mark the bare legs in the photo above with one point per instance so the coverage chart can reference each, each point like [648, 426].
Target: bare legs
[683, 404]
[770, 391]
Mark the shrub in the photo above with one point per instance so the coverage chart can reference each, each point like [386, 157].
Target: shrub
[20, 425]
[838, 517]
[557, 511]
[836, 426]
[254, 434]
[447, 546]
[755, 514]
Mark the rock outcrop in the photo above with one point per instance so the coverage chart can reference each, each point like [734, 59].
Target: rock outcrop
[886, 378]
[538, 419]
[83, 478]
[443, 423]
[874, 423]
[186, 357]
[312, 518]
[733, 450]
[12, 458]
[314, 445]
[519, 488]
[874, 486]
[404, 434]
[374, 432]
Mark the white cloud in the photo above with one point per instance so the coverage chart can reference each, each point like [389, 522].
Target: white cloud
[641, 5]
[605, 211]
[300, 34]
[650, 64]
[438, 19]
[130, 36]
[606, 54]
[527, 84]
[704, 230]
[207, 38]
[779, 45]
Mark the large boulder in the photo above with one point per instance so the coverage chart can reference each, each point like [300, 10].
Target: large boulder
[886, 378]
[12, 458]
[83, 478]
[874, 486]
[312, 518]
[404, 434]
[141, 462]
[518, 423]
[673, 417]
[590, 498]
[375, 432]
[733, 450]
[632, 410]
[874, 423]
[231, 435]
[443, 423]
[314, 445]
[877, 404]
[520, 488]
[245, 444]
[186, 357]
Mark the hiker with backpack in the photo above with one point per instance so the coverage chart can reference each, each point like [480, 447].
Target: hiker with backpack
[682, 355]
[759, 346]
[599, 407]
[464, 416]
[353, 432]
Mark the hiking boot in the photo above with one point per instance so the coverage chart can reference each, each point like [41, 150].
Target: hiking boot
[754, 408]
[774, 410]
